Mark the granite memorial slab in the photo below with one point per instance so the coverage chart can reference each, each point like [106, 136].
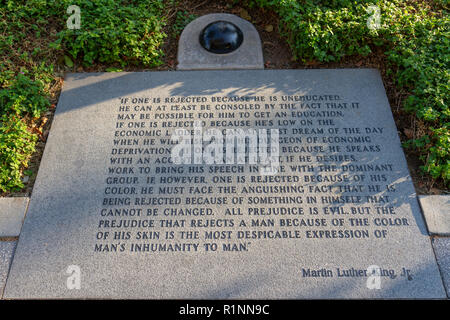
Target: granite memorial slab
[138, 197]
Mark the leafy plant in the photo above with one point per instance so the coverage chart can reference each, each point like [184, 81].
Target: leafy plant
[34, 35]
[23, 96]
[16, 145]
[19, 97]
[324, 30]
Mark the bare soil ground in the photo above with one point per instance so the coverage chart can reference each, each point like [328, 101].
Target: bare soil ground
[277, 55]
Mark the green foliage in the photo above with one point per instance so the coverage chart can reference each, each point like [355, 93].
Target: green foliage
[414, 34]
[111, 31]
[20, 96]
[423, 59]
[114, 31]
[25, 78]
[417, 46]
[325, 30]
[23, 96]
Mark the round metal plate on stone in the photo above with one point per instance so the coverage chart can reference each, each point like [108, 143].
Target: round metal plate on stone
[221, 37]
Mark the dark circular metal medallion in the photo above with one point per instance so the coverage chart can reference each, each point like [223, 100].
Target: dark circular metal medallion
[221, 37]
